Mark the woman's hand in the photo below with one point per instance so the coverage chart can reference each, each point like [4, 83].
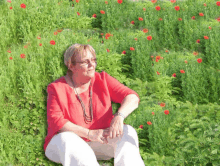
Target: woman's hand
[99, 135]
[116, 127]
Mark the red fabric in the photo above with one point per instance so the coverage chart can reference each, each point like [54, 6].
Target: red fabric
[63, 105]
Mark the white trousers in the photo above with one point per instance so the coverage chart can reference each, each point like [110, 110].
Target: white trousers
[69, 149]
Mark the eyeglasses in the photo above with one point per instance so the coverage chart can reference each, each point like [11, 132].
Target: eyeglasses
[84, 63]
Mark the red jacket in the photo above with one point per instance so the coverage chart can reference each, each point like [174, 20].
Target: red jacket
[63, 105]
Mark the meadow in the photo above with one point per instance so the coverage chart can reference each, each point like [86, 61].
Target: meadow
[167, 51]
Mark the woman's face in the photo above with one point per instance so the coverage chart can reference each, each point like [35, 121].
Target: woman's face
[85, 65]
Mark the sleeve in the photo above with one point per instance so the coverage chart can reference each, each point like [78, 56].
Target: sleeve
[55, 117]
[117, 90]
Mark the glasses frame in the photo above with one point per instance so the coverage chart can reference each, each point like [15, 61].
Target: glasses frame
[88, 61]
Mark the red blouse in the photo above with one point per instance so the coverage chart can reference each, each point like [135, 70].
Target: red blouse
[63, 105]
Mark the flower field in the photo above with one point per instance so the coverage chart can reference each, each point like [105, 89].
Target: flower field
[167, 51]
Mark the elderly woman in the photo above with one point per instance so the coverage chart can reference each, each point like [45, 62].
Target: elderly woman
[81, 127]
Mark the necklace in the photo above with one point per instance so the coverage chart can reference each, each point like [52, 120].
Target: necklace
[87, 119]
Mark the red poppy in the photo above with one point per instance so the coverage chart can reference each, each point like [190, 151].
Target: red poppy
[10, 8]
[123, 52]
[149, 37]
[180, 19]
[22, 55]
[40, 44]
[158, 73]
[106, 2]
[206, 37]
[166, 51]
[198, 41]
[157, 8]
[77, 1]
[160, 19]
[218, 3]
[9, 1]
[55, 33]
[149, 123]
[153, 1]
[52, 42]
[94, 15]
[153, 113]
[193, 17]
[141, 126]
[102, 11]
[145, 30]
[144, 9]
[201, 14]
[23, 6]
[182, 71]
[120, 1]
[186, 62]
[78, 13]
[38, 37]
[108, 50]
[9, 51]
[210, 27]
[195, 53]
[204, 4]
[172, 1]
[199, 60]
[108, 35]
[162, 104]
[174, 75]
[102, 34]
[10, 58]
[25, 46]
[135, 39]
[59, 30]
[177, 8]
[140, 18]
[132, 48]
[132, 22]
[152, 56]
[218, 19]
[166, 112]
[157, 58]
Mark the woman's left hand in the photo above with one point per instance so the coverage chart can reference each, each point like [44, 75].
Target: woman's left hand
[116, 127]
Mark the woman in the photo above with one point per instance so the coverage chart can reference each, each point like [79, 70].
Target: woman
[81, 127]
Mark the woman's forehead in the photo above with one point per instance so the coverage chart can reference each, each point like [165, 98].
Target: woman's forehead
[85, 54]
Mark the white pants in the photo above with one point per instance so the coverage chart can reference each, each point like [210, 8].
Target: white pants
[69, 149]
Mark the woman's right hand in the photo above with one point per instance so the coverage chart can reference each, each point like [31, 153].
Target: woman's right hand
[98, 135]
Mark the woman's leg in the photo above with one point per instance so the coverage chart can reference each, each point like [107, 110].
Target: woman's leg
[69, 149]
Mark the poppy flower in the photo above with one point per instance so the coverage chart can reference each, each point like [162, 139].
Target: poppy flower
[78, 13]
[106, 2]
[162, 104]
[177, 8]
[172, 1]
[195, 53]
[199, 60]
[123, 52]
[166, 112]
[152, 56]
[153, 113]
[120, 1]
[218, 3]
[206, 37]
[149, 123]
[210, 27]
[132, 22]
[9, 1]
[102, 11]
[23, 6]
[135, 39]
[157, 8]
[182, 71]
[10, 58]
[145, 30]
[38, 37]
[140, 18]
[193, 17]
[59, 30]
[108, 50]
[180, 19]
[158, 73]
[55, 33]
[10, 8]
[132, 48]
[149, 37]
[158, 58]
[174, 75]
[186, 62]
[25, 46]
[9, 51]
[77, 1]
[144, 9]
[52, 42]
[141, 126]
[22, 55]
[107, 35]
[204, 4]
[102, 34]
[160, 19]
[166, 51]
[218, 19]
[198, 41]
[201, 14]
[153, 1]
[40, 44]
[94, 15]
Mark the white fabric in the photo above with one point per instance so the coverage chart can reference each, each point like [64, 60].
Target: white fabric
[69, 149]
